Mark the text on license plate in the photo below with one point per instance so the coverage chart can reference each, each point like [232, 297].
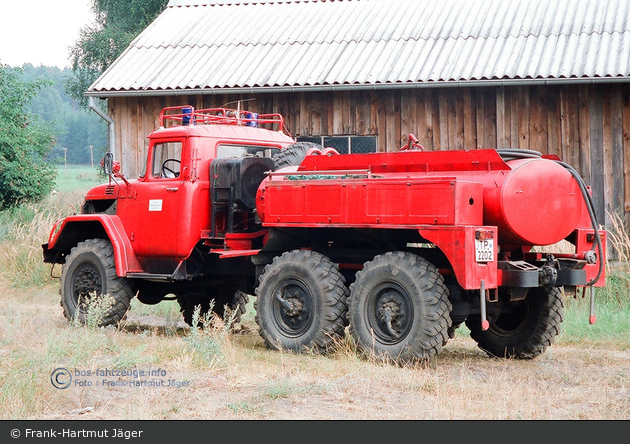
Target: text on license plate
[484, 250]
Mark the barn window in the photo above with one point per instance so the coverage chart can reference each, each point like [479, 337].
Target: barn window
[344, 144]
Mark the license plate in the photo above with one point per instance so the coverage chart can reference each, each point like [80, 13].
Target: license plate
[484, 250]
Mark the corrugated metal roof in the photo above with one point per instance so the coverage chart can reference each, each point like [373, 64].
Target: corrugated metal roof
[265, 45]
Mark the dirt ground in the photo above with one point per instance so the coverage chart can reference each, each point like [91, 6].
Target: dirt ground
[565, 383]
[232, 376]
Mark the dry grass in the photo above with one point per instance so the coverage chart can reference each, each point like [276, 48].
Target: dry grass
[232, 375]
[619, 238]
[22, 232]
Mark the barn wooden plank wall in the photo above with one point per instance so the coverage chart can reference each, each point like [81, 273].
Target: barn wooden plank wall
[587, 125]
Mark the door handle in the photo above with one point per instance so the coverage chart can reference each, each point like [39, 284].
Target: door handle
[172, 189]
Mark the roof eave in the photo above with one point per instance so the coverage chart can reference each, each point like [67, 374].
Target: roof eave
[356, 87]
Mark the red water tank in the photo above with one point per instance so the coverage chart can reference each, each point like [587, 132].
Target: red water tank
[536, 202]
[531, 199]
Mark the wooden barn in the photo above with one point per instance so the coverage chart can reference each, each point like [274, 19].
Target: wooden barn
[361, 75]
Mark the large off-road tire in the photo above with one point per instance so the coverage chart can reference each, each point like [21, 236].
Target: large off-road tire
[293, 154]
[526, 329]
[301, 302]
[399, 308]
[235, 301]
[89, 271]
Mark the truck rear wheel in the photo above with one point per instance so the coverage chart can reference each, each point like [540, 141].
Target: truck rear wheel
[399, 308]
[301, 302]
[526, 330]
[90, 271]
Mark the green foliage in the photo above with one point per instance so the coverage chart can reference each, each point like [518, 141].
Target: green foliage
[96, 308]
[25, 141]
[204, 344]
[117, 23]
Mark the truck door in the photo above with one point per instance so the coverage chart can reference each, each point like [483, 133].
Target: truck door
[157, 201]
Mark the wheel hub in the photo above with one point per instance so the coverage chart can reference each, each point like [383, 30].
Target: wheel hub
[391, 314]
[294, 309]
[87, 280]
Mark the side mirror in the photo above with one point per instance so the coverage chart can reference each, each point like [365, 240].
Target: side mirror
[108, 163]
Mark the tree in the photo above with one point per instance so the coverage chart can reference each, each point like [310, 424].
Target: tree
[117, 23]
[25, 141]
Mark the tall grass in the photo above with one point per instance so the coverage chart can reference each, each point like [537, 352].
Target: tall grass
[618, 269]
[25, 228]
[22, 232]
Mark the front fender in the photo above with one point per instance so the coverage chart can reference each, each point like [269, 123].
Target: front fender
[67, 232]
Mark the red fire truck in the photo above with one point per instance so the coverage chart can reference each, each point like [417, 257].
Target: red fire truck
[397, 249]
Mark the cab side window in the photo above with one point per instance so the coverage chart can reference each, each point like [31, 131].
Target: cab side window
[167, 160]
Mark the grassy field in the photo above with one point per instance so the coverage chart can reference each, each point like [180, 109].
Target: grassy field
[218, 373]
[73, 178]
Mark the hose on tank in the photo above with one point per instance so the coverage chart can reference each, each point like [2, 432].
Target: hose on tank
[513, 154]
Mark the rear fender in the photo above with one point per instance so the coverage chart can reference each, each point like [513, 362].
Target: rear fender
[66, 233]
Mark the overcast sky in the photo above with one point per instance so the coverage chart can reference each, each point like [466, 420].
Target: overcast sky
[40, 32]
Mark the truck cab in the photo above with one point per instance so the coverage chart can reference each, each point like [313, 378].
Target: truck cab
[162, 225]
[169, 208]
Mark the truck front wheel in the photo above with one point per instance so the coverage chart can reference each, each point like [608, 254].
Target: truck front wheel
[301, 302]
[89, 272]
[399, 308]
[524, 329]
